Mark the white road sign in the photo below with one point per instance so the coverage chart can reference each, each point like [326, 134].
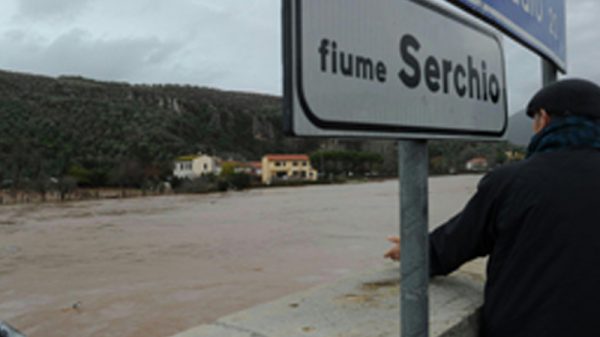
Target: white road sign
[390, 68]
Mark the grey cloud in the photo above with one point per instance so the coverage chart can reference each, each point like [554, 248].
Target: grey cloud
[583, 39]
[221, 43]
[106, 59]
[76, 52]
[15, 35]
[522, 75]
[45, 9]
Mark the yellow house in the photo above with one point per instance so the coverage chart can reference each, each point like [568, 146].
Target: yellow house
[287, 167]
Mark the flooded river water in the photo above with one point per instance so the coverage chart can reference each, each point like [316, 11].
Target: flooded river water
[151, 267]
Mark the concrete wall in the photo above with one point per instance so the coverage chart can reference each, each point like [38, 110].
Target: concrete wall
[365, 305]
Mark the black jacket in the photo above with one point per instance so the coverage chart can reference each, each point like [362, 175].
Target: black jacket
[539, 222]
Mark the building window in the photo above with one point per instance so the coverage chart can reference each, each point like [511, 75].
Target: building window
[295, 163]
[303, 163]
[277, 163]
[205, 166]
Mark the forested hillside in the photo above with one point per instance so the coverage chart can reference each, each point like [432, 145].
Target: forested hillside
[116, 133]
[70, 131]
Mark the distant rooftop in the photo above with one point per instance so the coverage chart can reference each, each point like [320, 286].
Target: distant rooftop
[287, 157]
[188, 157]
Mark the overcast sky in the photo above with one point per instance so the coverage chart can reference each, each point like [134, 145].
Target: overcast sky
[227, 44]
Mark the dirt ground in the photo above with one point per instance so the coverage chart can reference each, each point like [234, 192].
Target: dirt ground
[155, 266]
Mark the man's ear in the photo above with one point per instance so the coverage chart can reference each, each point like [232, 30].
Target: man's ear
[541, 119]
[544, 118]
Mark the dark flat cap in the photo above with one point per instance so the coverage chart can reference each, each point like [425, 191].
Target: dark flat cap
[567, 97]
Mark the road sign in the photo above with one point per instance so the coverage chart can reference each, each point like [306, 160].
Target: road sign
[389, 68]
[538, 24]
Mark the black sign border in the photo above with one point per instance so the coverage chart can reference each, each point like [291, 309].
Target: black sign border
[291, 32]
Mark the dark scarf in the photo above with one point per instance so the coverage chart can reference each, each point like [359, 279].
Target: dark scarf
[571, 132]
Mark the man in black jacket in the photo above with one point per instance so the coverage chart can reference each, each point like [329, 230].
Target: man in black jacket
[539, 222]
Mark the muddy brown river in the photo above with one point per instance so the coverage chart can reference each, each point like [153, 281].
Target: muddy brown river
[152, 267]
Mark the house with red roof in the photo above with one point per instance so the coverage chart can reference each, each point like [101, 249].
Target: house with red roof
[287, 167]
[252, 168]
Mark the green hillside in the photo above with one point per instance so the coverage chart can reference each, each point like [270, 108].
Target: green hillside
[74, 131]
[101, 132]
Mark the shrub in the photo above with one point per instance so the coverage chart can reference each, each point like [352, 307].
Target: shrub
[239, 181]
[198, 185]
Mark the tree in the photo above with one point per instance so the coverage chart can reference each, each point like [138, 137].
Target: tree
[65, 186]
[228, 169]
[81, 174]
[42, 184]
[127, 173]
[239, 181]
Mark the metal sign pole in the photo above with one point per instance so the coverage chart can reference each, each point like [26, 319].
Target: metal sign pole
[414, 238]
[548, 72]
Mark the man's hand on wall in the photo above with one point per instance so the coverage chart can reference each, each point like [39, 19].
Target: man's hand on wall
[393, 253]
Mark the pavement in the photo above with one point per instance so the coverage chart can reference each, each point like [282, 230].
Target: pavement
[365, 305]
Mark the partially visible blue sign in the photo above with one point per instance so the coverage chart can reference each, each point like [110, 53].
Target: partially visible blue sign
[539, 24]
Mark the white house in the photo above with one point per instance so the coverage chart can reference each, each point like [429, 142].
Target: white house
[477, 164]
[196, 165]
